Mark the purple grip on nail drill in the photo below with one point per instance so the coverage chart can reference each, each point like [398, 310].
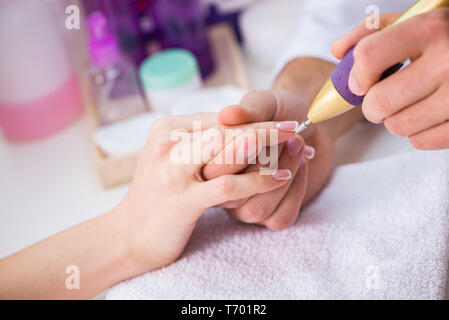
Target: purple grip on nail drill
[340, 78]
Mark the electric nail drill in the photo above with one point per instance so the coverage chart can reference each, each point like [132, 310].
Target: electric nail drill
[335, 97]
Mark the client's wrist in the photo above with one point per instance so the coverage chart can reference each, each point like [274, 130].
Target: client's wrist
[123, 246]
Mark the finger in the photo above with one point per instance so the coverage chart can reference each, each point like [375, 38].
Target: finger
[400, 90]
[259, 106]
[255, 106]
[235, 115]
[288, 210]
[234, 187]
[229, 146]
[379, 51]
[237, 155]
[423, 115]
[260, 207]
[234, 204]
[268, 133]
[233, 158]
[241, 202]
[251, 168]
[194, 122]
[364, 28]
[432, 139]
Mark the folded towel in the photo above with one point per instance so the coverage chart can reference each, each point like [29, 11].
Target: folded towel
[125, 137]
[379, 230]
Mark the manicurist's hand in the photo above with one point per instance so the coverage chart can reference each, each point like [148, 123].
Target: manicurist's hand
[280, 208]
[413, 102]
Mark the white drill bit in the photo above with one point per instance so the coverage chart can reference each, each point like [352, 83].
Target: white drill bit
[303, 126]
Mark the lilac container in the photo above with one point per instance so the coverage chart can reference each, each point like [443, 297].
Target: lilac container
[121, 16]
[181, 24]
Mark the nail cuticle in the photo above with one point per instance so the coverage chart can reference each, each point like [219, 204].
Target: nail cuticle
[294, 146]
[282, 175]
[288, 126]
[309, 152]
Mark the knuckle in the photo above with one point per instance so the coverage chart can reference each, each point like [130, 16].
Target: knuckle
[263, 182]
[160, 148]
[396, 126]
[434, 26]
[376, 106]
[442, 72]
[227, 185]
[362, 52]
[445, 65]
[167, 179]
[160, 124]
[253, 213]
[250, 96]
[279, 223]
[417, 142]
[437, 21]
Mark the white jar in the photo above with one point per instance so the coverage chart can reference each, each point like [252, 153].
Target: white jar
[168, 76]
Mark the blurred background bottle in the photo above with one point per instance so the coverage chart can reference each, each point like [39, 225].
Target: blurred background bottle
[116, 88]
[182, 24]
[226, 11]
[39, 93]
[123, 21]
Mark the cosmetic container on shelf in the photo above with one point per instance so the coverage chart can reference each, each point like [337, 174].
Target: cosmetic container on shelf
[39, 88]
[114, 81]
[182, 24]
[169, 76]
[123, 22]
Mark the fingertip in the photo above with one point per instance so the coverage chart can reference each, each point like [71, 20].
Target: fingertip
[336, 50]
[234, 115]
[294, 145]
[282, 175]
[354, 85]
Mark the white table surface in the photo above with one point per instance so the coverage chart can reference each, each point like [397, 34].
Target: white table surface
[51, 184]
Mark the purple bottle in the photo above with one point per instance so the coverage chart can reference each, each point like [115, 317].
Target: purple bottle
[122, 19]
[115, 82]
[181, 24]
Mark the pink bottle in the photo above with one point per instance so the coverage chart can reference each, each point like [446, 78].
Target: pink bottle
[39, 89]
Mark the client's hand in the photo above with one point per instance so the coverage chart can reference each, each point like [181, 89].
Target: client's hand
[167, 196]
[151, 226]
[280, 208]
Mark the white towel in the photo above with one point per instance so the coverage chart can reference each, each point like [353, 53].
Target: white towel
[379, 230]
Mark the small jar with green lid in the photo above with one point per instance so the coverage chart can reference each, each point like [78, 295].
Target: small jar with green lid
[167, 76]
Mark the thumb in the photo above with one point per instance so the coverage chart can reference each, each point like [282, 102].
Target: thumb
[255, 106]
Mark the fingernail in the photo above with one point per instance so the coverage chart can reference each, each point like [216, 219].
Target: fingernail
[247, 149]
[309, 152]
[294, 146]
[287, 126]
[282, 175]
[354, 86]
